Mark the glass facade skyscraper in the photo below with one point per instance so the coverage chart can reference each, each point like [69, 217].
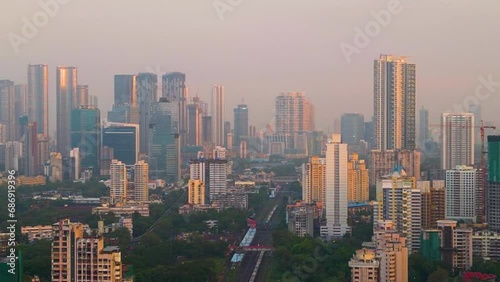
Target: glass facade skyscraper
[86, 135]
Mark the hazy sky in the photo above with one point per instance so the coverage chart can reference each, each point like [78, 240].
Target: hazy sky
[262, 48]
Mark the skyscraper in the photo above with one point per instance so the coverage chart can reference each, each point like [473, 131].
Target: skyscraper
[7, 117]
[175, 91]
[352, 128]
[240, 124]
[146, 95]
[457, 139]
[336, 190]
[66, 82]
[31, 161]
[394, 103]
[125, 87]
[314, 180]
[20, 107]
[218, 111]
[141, 180]
[293, 112]
[86, 135]
[82, 94]
[119, 183]
[165, 128]
[423, 132]
[194, 123]
[124, 139]
[38, 97]
[493, 191]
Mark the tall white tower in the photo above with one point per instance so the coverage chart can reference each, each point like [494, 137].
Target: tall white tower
[457, 139]
[218, 115]
[336, 190]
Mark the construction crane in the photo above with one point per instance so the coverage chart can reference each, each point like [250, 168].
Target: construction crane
[483, 166]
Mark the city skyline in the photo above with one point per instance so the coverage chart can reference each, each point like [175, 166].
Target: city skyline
[322, 80]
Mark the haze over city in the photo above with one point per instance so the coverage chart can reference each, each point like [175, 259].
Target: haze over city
[260, 49]
[249, 141]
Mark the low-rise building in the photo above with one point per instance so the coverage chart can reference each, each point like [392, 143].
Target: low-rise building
[142, 209]
[39, 232]
[31, 181]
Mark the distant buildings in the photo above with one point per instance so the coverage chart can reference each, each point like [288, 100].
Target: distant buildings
[86, 135]
[124, 140]
[7, 110]
[66, 83]
[38, 97]
[240, 124]
[218, 111]
[353, 130]
[293, 113]
[423, 127]
[147, 88]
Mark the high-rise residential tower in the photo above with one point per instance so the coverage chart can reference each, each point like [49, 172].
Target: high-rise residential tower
[394, 94]
[141, 180]
[66, 83]
[293, 112]
[336, 190]
[358, 182]
[218, 110]
[464, 194]
[38, 97]
[240, 124]
[399, 200]
[313, 180]
[119, 183]
[457, 139]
